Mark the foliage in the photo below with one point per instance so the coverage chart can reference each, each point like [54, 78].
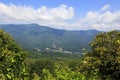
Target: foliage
[60, 73]
[104, 59]
[64, 73]
[73, 65]
[39, 65]
[11, 58]
[102, 63]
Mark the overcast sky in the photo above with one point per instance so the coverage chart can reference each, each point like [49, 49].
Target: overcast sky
[63, 14]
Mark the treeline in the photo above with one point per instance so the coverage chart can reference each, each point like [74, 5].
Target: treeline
[47, 69]
[101, 63]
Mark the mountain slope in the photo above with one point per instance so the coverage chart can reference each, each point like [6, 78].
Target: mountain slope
[31, 36]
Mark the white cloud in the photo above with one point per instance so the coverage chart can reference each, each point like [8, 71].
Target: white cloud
[58, 17]
[21, 14]
[104, 8]
[102, 19]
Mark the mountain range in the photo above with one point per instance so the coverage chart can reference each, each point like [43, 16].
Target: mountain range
[32, 36]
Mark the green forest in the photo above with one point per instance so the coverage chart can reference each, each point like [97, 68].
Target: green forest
[102, 62]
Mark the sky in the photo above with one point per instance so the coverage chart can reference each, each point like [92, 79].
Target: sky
[101, 15]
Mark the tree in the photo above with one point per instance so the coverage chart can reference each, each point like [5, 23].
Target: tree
[38, 66]
[104, 59]
[11, 58]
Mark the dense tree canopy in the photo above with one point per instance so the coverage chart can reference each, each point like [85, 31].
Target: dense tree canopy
[11, 58]
[39, 65]
[104, 59]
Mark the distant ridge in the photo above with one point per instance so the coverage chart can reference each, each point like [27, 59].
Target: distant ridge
[31, 36]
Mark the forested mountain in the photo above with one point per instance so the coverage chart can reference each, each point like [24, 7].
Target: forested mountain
[31, 36]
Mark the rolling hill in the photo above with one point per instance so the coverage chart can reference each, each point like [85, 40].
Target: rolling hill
[32, 36]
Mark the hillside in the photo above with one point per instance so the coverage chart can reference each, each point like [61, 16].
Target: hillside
[32, 36]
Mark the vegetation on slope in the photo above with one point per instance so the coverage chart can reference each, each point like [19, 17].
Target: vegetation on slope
[31, 36]
[101, 63]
